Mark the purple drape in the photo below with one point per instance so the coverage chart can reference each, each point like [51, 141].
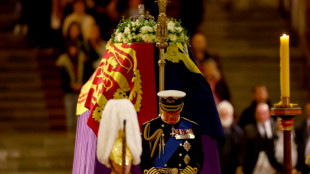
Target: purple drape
[85, 147]
[211, 164]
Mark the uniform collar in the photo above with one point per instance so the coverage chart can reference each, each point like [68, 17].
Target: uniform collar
[171, 125]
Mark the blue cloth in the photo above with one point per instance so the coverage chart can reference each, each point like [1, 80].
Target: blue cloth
[199, 103]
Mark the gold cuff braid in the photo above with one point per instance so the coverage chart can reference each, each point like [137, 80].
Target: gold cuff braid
[190, 170]
[151, 171]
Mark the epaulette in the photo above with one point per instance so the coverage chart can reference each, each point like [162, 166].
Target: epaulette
[150, 120]
[189, 120]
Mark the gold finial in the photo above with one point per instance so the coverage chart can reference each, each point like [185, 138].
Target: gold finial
[162, 29]
[162, 36]
[162, 4]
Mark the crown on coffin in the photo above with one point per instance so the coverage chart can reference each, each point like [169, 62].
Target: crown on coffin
[142, 28]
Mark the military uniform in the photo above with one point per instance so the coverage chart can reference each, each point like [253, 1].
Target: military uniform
[171, 148]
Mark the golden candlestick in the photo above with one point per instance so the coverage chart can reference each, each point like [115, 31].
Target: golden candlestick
[285, 109]
[162, 36]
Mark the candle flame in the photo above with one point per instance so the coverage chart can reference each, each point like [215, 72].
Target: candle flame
[284, 36]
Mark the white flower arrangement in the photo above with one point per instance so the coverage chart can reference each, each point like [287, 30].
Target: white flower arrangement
[136, 30]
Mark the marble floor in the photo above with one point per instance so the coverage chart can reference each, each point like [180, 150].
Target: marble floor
[36, 152]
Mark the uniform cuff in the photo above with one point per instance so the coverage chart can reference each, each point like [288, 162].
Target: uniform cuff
[190, 170]
[152, 170]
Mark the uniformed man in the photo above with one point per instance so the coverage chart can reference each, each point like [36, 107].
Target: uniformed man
[171, 144]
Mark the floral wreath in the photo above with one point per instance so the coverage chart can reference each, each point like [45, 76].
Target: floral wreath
[137, 30]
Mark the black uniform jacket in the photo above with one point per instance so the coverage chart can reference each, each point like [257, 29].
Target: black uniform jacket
[188, 151]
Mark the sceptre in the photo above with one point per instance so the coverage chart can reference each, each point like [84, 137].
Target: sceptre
[124, 148]
[161, 36]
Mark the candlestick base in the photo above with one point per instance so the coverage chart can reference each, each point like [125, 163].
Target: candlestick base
[286, 111]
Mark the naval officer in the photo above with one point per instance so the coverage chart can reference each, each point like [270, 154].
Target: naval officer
[171, 144]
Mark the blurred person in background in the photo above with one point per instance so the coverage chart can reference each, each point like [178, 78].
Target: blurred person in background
[217, 83]
[56, 20]
[95, 46]
[21, 26]
[259, 95]
[72, 67]
[303, 141]
[78, 15]
[199, 49]
[32, 20]
[90, 6]
[230, 152]
[74, 35]
[108, 13]
[259, 148]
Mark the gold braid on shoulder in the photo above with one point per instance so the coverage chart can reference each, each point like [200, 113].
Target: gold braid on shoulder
[157, 136]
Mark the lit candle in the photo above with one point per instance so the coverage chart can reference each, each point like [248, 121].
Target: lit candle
[284, 66]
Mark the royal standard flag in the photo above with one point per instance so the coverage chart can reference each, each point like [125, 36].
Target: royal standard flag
[125, 71]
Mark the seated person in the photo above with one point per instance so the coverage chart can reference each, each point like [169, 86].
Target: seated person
[216, 80]
[259, 95]
[303, 141]
[230, 152]
[259, 155]
[171, 144]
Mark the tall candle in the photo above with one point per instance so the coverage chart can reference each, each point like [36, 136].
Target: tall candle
[284, 66]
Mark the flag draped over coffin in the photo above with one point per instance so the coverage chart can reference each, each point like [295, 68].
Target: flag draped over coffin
[124, 72]
[130, 70]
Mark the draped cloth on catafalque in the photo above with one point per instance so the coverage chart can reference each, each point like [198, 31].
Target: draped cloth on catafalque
[125, 71]
[130, 70]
